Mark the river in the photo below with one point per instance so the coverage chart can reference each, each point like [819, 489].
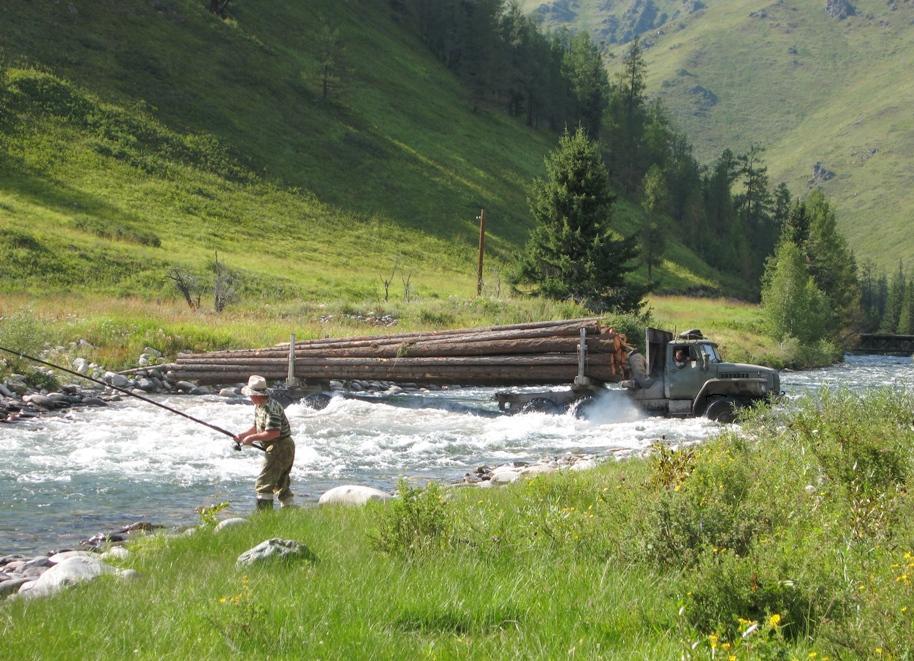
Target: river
[70, 475]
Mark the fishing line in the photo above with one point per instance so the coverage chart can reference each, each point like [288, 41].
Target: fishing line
[131, 394]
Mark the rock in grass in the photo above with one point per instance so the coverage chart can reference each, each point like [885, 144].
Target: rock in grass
[275, 549]
[228, 523]
[351, 494]
[69, 572]
[115, 553]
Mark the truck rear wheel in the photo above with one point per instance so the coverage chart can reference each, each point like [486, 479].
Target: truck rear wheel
[722, 409]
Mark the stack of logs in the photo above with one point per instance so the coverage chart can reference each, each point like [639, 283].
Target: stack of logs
[539, 353]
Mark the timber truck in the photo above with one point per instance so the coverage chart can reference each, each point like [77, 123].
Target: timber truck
[679, 376]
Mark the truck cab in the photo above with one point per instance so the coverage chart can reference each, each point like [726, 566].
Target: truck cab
[685, 376]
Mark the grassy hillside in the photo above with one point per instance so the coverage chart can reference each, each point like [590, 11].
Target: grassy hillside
[140, 136]
[809, 87]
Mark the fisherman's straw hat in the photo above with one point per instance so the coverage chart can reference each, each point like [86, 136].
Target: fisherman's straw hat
[257, 385]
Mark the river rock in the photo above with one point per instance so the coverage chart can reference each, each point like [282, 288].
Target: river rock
[80, 365]
[351, 494]
[185, 386]
[12, 586]
[228, 523]
[116, 380]
[69, 572]
[229, 392]
[146, 384]
[38, 561]
[275, 549]
[57, 558]
[6, 392]
[505, 475]
[115, 553]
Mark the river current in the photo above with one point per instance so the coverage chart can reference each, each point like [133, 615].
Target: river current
[70, 475]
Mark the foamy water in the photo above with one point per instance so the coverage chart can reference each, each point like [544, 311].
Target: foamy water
[70, 475]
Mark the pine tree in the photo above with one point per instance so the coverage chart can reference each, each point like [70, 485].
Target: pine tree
[906, 315]
[571, 252]
[832, 264]
[655, 201]
[584, 69]
[894, 302]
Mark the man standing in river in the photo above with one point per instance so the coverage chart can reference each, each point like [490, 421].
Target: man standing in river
[274, 434]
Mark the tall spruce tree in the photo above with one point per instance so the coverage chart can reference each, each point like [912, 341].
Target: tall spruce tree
[571, 252]
[655, 201]
[832, 264]
[894, 302]
[584, 69]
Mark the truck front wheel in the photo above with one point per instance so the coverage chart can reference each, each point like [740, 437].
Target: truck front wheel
[722, 409]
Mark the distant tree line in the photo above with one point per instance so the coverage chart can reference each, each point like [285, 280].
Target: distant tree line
[549, 80]
[886, 306]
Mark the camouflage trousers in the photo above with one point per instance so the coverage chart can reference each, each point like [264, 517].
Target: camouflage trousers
[274, 474]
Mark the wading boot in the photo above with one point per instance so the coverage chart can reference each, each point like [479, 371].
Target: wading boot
[264, 505]
[288, 503]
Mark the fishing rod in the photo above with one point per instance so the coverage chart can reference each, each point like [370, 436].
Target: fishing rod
[131, 394]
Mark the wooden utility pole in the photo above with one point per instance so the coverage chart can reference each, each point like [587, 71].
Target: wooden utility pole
[482, 250]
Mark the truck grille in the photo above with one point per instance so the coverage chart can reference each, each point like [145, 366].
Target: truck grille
[734, 375]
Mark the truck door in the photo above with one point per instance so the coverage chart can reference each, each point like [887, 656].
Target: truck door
[684, 377]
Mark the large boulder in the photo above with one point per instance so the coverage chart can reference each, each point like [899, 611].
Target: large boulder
[351, 494]
[71, 571]
[275, 549]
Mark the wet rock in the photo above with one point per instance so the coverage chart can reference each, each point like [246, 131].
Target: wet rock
[93, 401]
[275, 549]
[146, 385]
[229, 523]
[6, 392]
[352, 495]
[185, 386]
[116, 380]
[229, 392]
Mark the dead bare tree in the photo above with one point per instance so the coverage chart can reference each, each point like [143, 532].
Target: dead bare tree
[407, 290]
[188, 285]
[386, 282]
[224, 285]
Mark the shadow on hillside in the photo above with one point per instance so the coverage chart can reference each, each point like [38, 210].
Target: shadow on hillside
[53, 194]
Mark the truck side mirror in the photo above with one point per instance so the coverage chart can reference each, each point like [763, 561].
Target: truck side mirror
[704, 362]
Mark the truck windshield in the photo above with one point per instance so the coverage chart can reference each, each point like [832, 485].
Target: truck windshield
[710, 351]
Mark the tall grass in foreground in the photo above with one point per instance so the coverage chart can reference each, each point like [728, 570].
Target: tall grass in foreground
[790, 538]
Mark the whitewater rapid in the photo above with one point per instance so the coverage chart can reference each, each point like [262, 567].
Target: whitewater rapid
[69, 475]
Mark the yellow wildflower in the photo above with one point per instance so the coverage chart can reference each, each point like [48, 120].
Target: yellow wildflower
[713, 640]
[774, 620]
[725, 646]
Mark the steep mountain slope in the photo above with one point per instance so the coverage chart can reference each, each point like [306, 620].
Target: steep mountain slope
[139, 136]
[825, 82]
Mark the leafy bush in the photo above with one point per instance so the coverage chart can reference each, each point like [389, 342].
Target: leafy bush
[418, 519]
[863, 448]
[21, 331]
[700, 503]
[727, 593]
